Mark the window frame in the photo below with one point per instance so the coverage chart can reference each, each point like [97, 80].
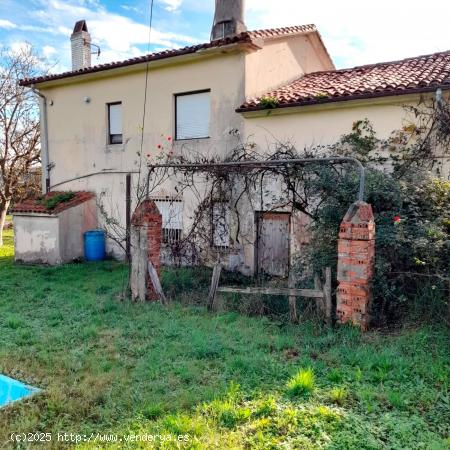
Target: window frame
[171, 235]
[184, 94]
[108, 115]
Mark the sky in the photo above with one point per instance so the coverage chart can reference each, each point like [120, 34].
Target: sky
[355, 32]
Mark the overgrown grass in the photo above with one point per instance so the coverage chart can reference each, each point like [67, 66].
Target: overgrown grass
[224, 380]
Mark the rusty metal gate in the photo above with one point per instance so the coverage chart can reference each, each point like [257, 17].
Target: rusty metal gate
[273, 243]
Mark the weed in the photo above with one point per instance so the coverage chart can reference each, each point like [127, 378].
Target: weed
[335, 376]
[268, 102]
[338, 395]
[53, 201]
[302, 384]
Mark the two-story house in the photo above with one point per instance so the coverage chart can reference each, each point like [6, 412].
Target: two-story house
[95, 126]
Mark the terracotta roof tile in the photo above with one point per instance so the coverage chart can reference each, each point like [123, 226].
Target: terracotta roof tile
[419, 74]
[36, 206]
[246, 37]
[271, 33]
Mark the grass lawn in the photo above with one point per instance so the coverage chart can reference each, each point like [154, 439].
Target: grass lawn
[226, 380]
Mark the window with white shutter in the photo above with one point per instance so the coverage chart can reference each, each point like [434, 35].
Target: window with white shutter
[192, 115]
[115, 123]
[221, 225]
[172, 219]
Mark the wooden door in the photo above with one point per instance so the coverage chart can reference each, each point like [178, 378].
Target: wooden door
[272, 244]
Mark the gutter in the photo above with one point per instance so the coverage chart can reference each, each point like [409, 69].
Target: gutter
[45, 158]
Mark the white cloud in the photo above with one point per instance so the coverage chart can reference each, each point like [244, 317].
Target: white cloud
[172, 5]
[6, 24]
[357, 32]
[135, 9]
[48, 50]
[117, 35]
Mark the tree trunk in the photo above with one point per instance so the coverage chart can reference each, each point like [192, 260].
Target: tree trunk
[3, 210]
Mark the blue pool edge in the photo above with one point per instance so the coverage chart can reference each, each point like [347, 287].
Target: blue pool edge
[31, 390]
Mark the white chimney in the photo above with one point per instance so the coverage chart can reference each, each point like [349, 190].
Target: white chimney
[81, 46]
[228, 19]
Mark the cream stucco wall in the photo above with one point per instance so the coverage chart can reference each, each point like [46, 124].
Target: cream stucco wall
[316, 125]
[78, 129]
[281, 61]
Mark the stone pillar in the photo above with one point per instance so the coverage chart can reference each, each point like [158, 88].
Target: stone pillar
[146, 235]
[356, 259]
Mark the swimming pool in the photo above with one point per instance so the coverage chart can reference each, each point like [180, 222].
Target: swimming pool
[13, 390]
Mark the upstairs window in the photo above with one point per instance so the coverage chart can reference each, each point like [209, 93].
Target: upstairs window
[172, 219]
[192, 115]
[115, 123]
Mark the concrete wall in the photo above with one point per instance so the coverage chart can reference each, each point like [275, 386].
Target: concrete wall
[53, 240]
[73, 223]
[36, 239]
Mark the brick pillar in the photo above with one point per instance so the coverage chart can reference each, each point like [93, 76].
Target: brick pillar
[146, 235]
[356, 258]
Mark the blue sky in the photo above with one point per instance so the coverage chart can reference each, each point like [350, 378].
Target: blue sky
[355, 32]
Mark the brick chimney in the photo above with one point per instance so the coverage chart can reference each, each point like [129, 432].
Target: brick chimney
[228, 19]
[81, 46]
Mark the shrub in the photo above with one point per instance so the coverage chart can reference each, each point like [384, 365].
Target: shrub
[412, 209]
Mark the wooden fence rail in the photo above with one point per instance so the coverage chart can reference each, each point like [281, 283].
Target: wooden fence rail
[321, 293]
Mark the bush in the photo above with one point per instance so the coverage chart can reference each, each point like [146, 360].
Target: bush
[412, 214]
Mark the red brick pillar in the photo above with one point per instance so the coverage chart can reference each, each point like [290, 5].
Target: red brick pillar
[146, 235]
[356, 258]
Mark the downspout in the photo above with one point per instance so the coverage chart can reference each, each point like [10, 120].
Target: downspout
[439, 98]
[45, 158]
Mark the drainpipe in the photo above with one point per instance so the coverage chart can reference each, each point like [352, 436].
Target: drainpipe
[439, 98]
[44, 140]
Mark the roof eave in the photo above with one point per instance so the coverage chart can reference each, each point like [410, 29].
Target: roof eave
[94, 72]
[331, 100]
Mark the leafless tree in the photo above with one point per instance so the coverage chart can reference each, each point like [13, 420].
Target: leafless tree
[19, 124]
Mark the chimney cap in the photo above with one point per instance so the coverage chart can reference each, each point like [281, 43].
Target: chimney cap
[80, 26]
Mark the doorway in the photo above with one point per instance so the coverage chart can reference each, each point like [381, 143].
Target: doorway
[273, 243]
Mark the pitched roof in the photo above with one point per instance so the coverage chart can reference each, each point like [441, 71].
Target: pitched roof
[413, 75]
[246, 37]
[37, 206]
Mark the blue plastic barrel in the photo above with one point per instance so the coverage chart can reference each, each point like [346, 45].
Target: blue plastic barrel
[94, 245]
